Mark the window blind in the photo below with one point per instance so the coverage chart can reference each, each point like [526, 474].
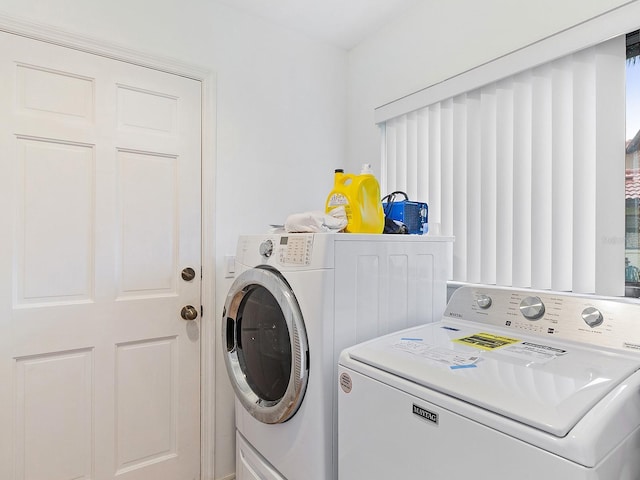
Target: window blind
[527, 172]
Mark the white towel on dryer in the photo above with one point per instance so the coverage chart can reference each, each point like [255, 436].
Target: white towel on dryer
[316, 222]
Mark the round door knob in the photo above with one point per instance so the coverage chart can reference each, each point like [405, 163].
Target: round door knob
[188, 274]
[189, 312]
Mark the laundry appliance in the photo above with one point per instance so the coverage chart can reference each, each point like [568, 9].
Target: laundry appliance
[297, 301]
[508, 384]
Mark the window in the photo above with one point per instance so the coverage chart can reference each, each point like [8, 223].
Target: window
[525, 169]
[632, 167]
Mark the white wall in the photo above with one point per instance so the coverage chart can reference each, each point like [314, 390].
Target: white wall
[434, 41]
[281, 116]
[282, 98]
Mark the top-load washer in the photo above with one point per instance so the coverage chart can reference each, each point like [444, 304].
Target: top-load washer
[509, 384]
[297, 301]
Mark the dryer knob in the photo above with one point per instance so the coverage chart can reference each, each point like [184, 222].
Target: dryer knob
[266, 248]
[532, 308]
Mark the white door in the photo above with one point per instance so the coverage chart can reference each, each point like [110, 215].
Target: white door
[99, 215]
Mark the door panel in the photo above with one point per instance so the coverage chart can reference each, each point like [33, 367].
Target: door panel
[148, 199]
[44, 415]
[146, 369]
[48, 209]
[100, 207]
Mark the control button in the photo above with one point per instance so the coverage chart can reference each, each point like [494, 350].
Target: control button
[592, 316]
[266, 248]
[483, 301]
[532, 308]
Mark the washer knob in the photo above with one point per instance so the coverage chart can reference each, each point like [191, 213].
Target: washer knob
[483, 301]
[532, 308]
[266, 248]
[592, 316]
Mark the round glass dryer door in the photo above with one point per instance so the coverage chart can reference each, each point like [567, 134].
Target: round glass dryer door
[266, 345]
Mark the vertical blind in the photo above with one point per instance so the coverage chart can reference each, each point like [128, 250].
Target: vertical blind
[527, 172]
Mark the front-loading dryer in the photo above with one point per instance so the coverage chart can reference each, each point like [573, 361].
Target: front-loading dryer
[297, 301]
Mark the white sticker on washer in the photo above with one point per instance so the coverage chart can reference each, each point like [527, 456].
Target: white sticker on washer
[440, 355]
[533, 352]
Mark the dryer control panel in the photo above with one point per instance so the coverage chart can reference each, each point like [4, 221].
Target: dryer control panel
[295, 250]
[594, 320]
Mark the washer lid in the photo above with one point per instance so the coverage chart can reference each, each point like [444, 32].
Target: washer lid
[543, 384]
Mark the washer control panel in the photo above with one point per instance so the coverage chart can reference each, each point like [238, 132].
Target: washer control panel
[595, 320]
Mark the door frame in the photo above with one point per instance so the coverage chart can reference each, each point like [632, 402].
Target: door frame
[207, 79]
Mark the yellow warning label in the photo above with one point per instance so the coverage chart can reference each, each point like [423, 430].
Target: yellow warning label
[486, 341]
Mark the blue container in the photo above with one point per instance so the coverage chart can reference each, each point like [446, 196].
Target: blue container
[415, 215]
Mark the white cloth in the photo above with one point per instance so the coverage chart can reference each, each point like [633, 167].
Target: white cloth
[314, 222]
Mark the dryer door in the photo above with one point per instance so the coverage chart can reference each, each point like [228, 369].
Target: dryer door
[266, 345]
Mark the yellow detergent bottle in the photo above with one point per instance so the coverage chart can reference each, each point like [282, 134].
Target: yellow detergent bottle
[360, 196]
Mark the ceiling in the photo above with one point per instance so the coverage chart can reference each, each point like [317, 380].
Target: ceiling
[343, 23]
